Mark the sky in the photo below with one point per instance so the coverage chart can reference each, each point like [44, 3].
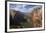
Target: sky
[22, 7]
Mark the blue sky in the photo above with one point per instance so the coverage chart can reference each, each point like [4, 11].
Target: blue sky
[22, 7]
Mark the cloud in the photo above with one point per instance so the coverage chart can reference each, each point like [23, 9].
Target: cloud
[22, 7]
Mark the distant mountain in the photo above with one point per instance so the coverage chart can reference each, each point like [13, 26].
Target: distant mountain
[20, 13]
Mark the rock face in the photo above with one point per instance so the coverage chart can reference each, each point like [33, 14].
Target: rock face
[37, 17]
[18, 19]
